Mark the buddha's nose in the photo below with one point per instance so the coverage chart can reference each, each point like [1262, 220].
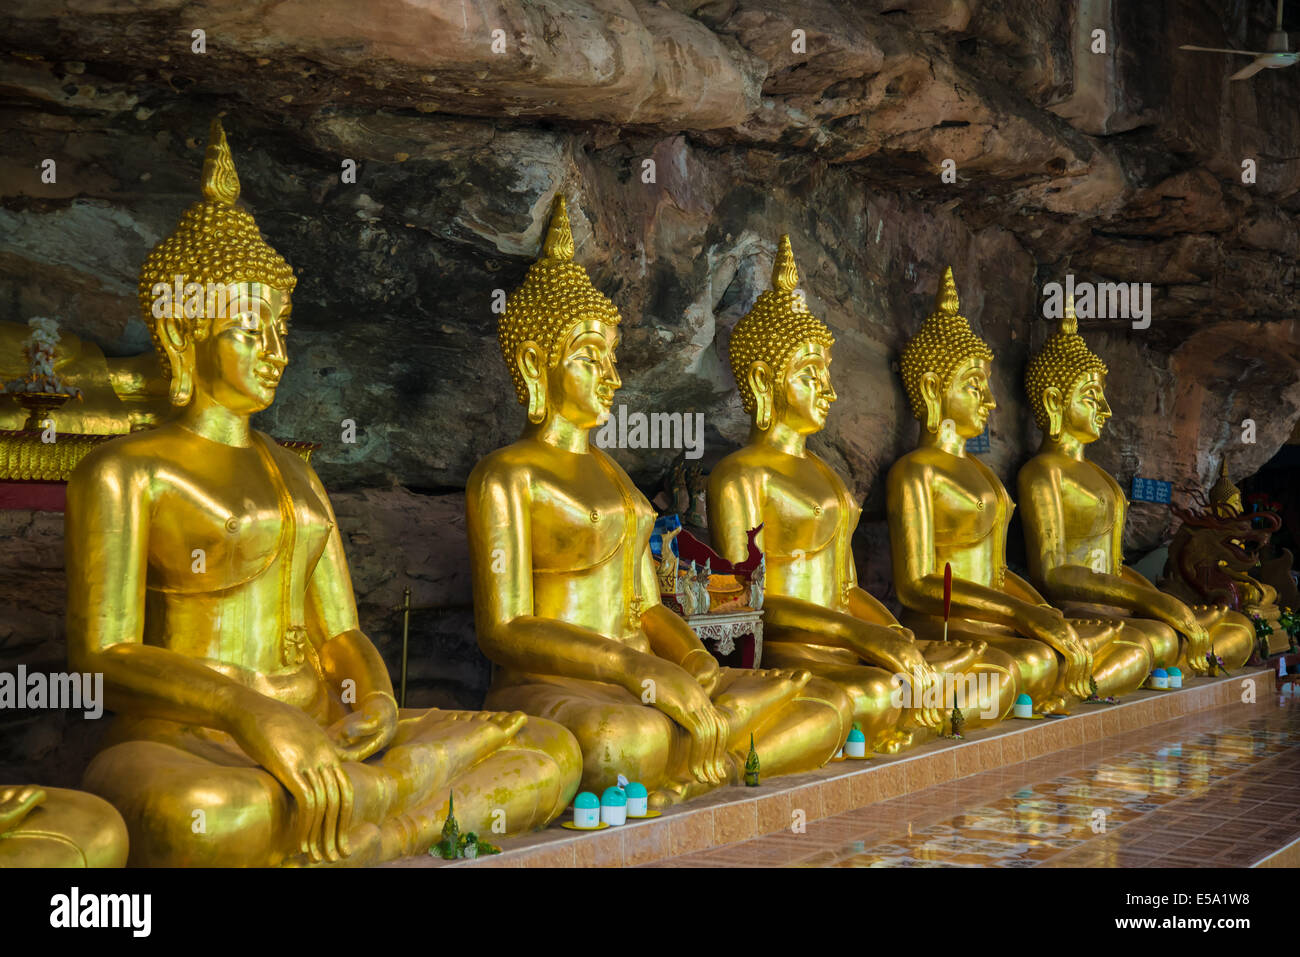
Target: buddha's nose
[273, 350]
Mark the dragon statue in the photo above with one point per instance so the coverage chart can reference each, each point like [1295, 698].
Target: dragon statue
[1215, 555]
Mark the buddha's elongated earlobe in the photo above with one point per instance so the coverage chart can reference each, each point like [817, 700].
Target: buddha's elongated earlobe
[933, 406]
[1055, 407]
[529, 360]
[760, 384]
[178, 346]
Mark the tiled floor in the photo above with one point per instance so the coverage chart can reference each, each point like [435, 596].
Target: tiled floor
[1217, 789]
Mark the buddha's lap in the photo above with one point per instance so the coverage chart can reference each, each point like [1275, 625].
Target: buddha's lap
[599, 710]
[151, 758]
[68, 829]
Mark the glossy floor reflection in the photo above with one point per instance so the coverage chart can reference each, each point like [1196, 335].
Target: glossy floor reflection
[1219, 789]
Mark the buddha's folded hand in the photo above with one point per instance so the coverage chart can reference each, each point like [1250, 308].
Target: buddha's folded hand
[700, 663]
[903, 658]
[300, 755]
[1182, 619]
[678, 694]
[1049, 626]
[369, 728]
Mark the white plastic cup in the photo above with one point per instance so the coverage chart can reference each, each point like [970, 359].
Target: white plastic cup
[855, 749]
[613, 814]
[586, 816]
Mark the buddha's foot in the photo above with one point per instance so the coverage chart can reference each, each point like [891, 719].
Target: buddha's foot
[485, 732]
[891, 742]
[17, 802]
[1052, 705]
[676, 792]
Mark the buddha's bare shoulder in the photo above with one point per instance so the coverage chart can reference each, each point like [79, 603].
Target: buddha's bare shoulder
[290, 463]
[1043, 466]
[507, 466]
[742, 463]
[917, 464]
[132, 456]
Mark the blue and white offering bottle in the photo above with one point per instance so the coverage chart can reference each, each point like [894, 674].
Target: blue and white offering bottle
[586, 810]
[613, 806]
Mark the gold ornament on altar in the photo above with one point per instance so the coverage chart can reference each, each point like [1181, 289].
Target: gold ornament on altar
[211, 590]
[566, 593]
[816, 615]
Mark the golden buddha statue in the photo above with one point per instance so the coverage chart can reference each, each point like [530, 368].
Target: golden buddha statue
[947, 507]
[816, 616]
[565, 592]
[56, 827]
[256, 723]
[1074, 518]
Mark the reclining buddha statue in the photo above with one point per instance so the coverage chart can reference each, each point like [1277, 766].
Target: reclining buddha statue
[56, 827]
[255, 722]
[566, 598]
[1074, 518]
[947, 507]
[816, 616]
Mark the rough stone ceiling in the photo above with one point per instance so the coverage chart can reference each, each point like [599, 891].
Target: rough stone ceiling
[1122, 167]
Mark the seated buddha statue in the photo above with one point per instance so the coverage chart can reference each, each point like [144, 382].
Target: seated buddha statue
[255, 722]
[566, 599]
[947, 507]
[815, 615]
[1074, 518]
[56, 827]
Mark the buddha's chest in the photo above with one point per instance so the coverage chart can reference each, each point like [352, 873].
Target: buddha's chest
[582, 517]
[969, 504]
[1090, 501]
[804, 509]
[214, 528]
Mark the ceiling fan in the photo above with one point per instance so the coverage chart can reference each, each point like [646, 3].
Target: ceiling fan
[1278, 54]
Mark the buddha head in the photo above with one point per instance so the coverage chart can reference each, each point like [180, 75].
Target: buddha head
[558, 335]
[217, 297]
[1225, 497]
[1066, 384]
[781, 355]
[945, 369]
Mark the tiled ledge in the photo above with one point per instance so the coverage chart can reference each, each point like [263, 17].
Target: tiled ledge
[733, 814]
[1288, 856]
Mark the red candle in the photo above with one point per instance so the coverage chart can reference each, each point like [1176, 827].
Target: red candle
[947, 589]
[947, 596]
